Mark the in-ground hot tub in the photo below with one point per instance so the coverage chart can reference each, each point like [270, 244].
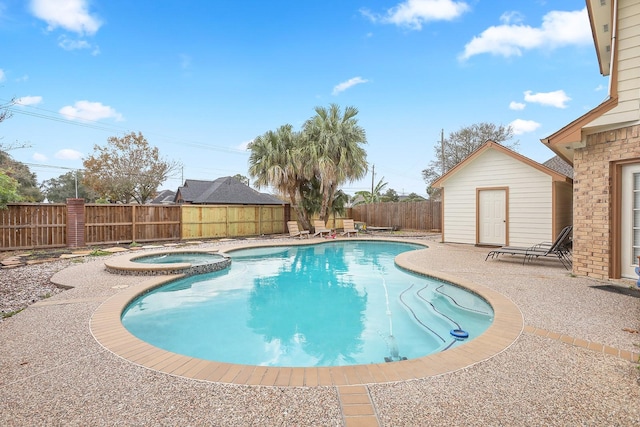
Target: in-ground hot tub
[187, 262]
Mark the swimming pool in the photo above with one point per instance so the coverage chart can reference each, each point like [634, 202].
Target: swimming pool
[330, 304]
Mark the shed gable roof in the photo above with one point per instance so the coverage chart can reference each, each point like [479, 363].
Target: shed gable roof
[491, 145]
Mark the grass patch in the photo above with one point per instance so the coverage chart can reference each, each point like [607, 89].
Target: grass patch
[99, 252]
[11, 313]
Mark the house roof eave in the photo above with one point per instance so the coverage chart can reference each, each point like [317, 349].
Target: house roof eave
[565, 140]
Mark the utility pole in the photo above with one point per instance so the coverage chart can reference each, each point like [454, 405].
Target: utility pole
[373, 174]
[442, 148]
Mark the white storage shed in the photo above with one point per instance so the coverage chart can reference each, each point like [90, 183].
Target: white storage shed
[497, 197]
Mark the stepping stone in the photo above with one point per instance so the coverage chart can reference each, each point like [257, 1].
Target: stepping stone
[11, 261]
[151, 247]
[84, 252]
[115, 249]
[40, 261]
[74, 255]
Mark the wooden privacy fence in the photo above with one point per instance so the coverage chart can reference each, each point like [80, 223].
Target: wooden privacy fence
[33, 225]
[45, 225]
[108, 224]
[425, 215]
[212, 221]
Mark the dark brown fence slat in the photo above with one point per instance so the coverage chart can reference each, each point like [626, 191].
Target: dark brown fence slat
[109, 224]
[33, 226]
[424, 215]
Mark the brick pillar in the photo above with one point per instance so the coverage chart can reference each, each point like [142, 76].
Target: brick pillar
[75, 223]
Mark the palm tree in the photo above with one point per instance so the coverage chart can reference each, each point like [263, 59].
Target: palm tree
[275, 161]
[332, 151]
[368, 196]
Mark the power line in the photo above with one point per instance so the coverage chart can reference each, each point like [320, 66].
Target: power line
[50, 166]
[95, 125]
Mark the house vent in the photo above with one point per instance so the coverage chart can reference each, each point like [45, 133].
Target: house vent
[605, 27]
[603, 2]
[608, 48]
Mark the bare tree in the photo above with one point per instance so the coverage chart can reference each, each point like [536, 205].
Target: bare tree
[460, 144]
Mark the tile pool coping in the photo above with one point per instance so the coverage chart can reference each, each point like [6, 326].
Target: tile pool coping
[106, 327]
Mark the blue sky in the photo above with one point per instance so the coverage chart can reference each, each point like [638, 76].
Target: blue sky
[201, 79]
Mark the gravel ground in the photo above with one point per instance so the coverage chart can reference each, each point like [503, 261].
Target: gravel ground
[53, 372]
[22, 286]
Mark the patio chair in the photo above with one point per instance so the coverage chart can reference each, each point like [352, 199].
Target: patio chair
[349, 228]
[559, 248]
[294, 231]
[320, 228]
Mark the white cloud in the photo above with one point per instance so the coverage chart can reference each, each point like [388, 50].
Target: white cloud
[68, 154]
[86, 110]
[69, 44]
[520, 126]
[414, 13]
[513, 105]
[556, 99]
[72, 15]
[341, 87]
[2, 75]
[557, 29]
[38, 157]
[600, 88]
[511, 17]
[29, 100]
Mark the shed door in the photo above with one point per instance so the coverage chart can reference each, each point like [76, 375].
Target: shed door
[630, 224]
[492, 217]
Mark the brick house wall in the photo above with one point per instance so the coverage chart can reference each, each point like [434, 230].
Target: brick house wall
[592, 198]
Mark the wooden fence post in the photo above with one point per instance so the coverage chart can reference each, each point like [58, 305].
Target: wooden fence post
[75, 223]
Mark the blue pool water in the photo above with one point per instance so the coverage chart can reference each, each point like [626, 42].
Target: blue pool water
[331, 304]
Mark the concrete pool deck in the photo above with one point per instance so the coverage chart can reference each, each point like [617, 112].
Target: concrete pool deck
[573, 363]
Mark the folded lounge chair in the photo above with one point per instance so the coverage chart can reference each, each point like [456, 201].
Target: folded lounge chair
[560, 248]
[294, 231]
[320, 228]
[348, 228]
